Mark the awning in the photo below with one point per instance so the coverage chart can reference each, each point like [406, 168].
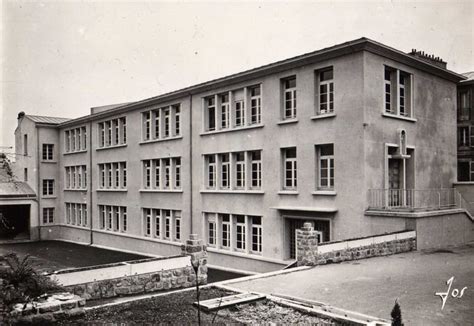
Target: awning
[306, 209]
[16, 190]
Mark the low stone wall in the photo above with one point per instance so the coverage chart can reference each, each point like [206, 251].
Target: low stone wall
[54, 308]
[309, 253]
[149, 275]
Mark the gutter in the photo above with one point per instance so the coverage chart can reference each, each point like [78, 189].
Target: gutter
[89, 183]
[191, 162]
[38, 180]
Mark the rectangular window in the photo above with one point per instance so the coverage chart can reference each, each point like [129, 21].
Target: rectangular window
[157, 174]
[102, 175]
[147, 221]
[211, 113]
[147, 174]
[48, 187]
[225, 171]
[256, 234]
[464, 111]
[397, 92]
[101, 134]
[124, 174]
[167, 122]
[109, 217]
[256, 169]
[157, 217]
[290, 168]
[48, 152]
[240, 232]
[225, 108]
[124, 130]
[48, 215]
[289, 98]
[240, 170]
[239, 113]
[102, 215]
[177, 173]
[67, 141]
[116, 217]
[167, 214]
[211, 233]
[177, 120]
[25, 174]
[463, 136]
[73, 140]
[25, 145]
[117, 175]
[225, 227]
[147, 125]
[255, 105]
[177, 225]
[109, 133]
[326, 166]
[116, 131]
[124, 218]
[167, 172]
[471, 170]
[211, 171]
[326, 91]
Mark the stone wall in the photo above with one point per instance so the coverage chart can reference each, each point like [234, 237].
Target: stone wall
[56, 307]
[309, 253]
[181, 277]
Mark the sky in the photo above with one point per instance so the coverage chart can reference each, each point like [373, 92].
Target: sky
[62, 58]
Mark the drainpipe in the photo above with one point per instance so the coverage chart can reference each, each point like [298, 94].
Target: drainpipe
[38, 180]
[89, 183]
[191, 161]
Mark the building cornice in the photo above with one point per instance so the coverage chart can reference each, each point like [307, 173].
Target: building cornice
[351, 47]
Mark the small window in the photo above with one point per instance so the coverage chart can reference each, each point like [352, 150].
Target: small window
[289, 168]
[464, 111]
[48, 187]
[211, 171]
[211, 232]
[225, 227]
[325, 171]
[463, 136]
[289, 98]
[255, 105]
[325, 85]
[225, 171]
[48, 215]
[240, 232]
[48, 152]
[397, 92]
[256, 234]
[25, 145]
[256, 169]
[225, 111]
[211, 114]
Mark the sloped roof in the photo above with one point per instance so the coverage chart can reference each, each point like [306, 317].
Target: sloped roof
[469, 75]
[47, 120]
[16, 189]
[109, 106]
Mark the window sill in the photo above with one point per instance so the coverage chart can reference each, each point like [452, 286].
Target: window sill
[162, 190]
[49, 162]
[80, 190]
[205, 133]
[110, 147]
[288, 192]
[110, 190]
[151, 141]
[288, 121]
[75, 152]
[323, 116]
[246, 192]
[48, 197]
[324, 193]
[250, 254]
[394, 116]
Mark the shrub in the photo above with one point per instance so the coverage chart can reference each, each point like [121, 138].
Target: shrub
[19, 282]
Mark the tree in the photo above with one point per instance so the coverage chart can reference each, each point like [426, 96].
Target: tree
[396, 315]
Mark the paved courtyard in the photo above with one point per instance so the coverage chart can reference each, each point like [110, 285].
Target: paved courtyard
[371, 286]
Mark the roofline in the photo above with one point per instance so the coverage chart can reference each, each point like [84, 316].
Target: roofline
[361, 44]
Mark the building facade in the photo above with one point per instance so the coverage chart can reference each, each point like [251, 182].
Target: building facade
[246, 159]
[466, 129]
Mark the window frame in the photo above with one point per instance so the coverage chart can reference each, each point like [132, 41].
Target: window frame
[289, 96]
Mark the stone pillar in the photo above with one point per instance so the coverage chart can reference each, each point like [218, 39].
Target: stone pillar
[198, 254]
[306, 245]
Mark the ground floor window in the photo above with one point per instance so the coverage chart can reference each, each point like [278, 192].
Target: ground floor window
[234, 232]
[466, 170]
[293, 224]
[162, 223]
[76, 214]
[48, 215]
[113, 218]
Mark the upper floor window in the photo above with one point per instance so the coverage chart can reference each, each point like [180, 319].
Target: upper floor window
[162, 223]
[289, 98]
[113, 132]
[48, 152]
[236, 171]
[289, 168]
[397, 92]
[325, 172]
[75, 140]
[48, 187]
[76, 214]
[325, 84]
[233, 109]
[162, 174]
[25, 145]
[162, 123]
[76, 177]
[113, 175]
[464, 111]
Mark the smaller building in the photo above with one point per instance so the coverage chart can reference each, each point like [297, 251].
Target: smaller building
[466, 128]
[18, 206]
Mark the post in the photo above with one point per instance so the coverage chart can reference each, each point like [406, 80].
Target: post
[306, 245]
[198, 254]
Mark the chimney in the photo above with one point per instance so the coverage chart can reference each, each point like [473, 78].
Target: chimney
[437, 61]
[21, 114]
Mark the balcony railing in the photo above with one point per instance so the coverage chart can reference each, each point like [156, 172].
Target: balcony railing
[414, 199]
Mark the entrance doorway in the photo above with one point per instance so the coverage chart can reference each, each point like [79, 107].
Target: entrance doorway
[15, 222]
[294, 224]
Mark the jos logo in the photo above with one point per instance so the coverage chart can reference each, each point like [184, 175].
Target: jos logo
[455, 293]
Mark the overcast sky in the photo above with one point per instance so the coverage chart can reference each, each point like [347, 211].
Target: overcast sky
[61, 58]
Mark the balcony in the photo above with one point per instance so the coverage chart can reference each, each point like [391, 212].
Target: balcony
[415, 200]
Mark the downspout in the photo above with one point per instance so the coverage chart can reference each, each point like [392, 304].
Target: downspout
[38, 180]
[191, 160]
[89, 175]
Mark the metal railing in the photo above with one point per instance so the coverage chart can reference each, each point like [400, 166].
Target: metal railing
[414, 199]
